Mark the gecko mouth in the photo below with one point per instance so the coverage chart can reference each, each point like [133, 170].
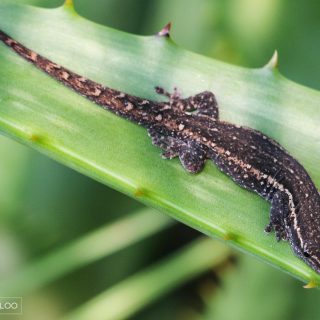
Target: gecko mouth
[309, 253]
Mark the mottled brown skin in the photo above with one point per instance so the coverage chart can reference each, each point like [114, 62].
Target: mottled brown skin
[191, 130]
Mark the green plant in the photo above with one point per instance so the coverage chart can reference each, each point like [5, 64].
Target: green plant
[40, 113]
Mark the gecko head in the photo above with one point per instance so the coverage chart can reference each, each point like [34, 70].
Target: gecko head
[310, 253]
[304, 232]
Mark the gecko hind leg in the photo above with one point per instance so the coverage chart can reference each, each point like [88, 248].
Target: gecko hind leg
[279, 211]
[192, 155]
[204, 103]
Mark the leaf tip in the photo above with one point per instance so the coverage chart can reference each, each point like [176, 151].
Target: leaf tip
[165, 31]
[273, 62]
[311, 284]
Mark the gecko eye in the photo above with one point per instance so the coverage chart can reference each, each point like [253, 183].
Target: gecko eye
[310, 250]
[306, 254]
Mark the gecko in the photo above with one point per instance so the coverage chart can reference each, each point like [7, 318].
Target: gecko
[190, 129]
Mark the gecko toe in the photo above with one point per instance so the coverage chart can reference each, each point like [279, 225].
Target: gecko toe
[169, 154]
[268, 228]
[175, 96]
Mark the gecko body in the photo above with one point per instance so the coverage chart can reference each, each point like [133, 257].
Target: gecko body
[190, 129]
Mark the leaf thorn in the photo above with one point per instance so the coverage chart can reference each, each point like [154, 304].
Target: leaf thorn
[311, 284]
[68, 3]
[273, 62]
[36, 138]
[229, 236]
[165, 31]
[139, 192]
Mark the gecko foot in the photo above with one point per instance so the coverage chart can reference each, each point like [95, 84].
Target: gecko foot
[192, 155]
[170, 146]
[278, 213]
[279, 231]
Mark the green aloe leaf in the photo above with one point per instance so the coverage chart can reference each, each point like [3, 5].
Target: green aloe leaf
[94, 246]
[135, 292]
[41, 113]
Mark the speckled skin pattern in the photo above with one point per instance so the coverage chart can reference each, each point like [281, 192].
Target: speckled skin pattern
[191, 130]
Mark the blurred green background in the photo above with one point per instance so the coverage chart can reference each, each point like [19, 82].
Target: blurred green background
[45, 206]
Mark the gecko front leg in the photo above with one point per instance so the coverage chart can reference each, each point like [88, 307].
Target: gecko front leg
[192, 155]
[204, 103]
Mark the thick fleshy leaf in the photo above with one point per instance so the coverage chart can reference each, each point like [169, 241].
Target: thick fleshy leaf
[40, 112]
